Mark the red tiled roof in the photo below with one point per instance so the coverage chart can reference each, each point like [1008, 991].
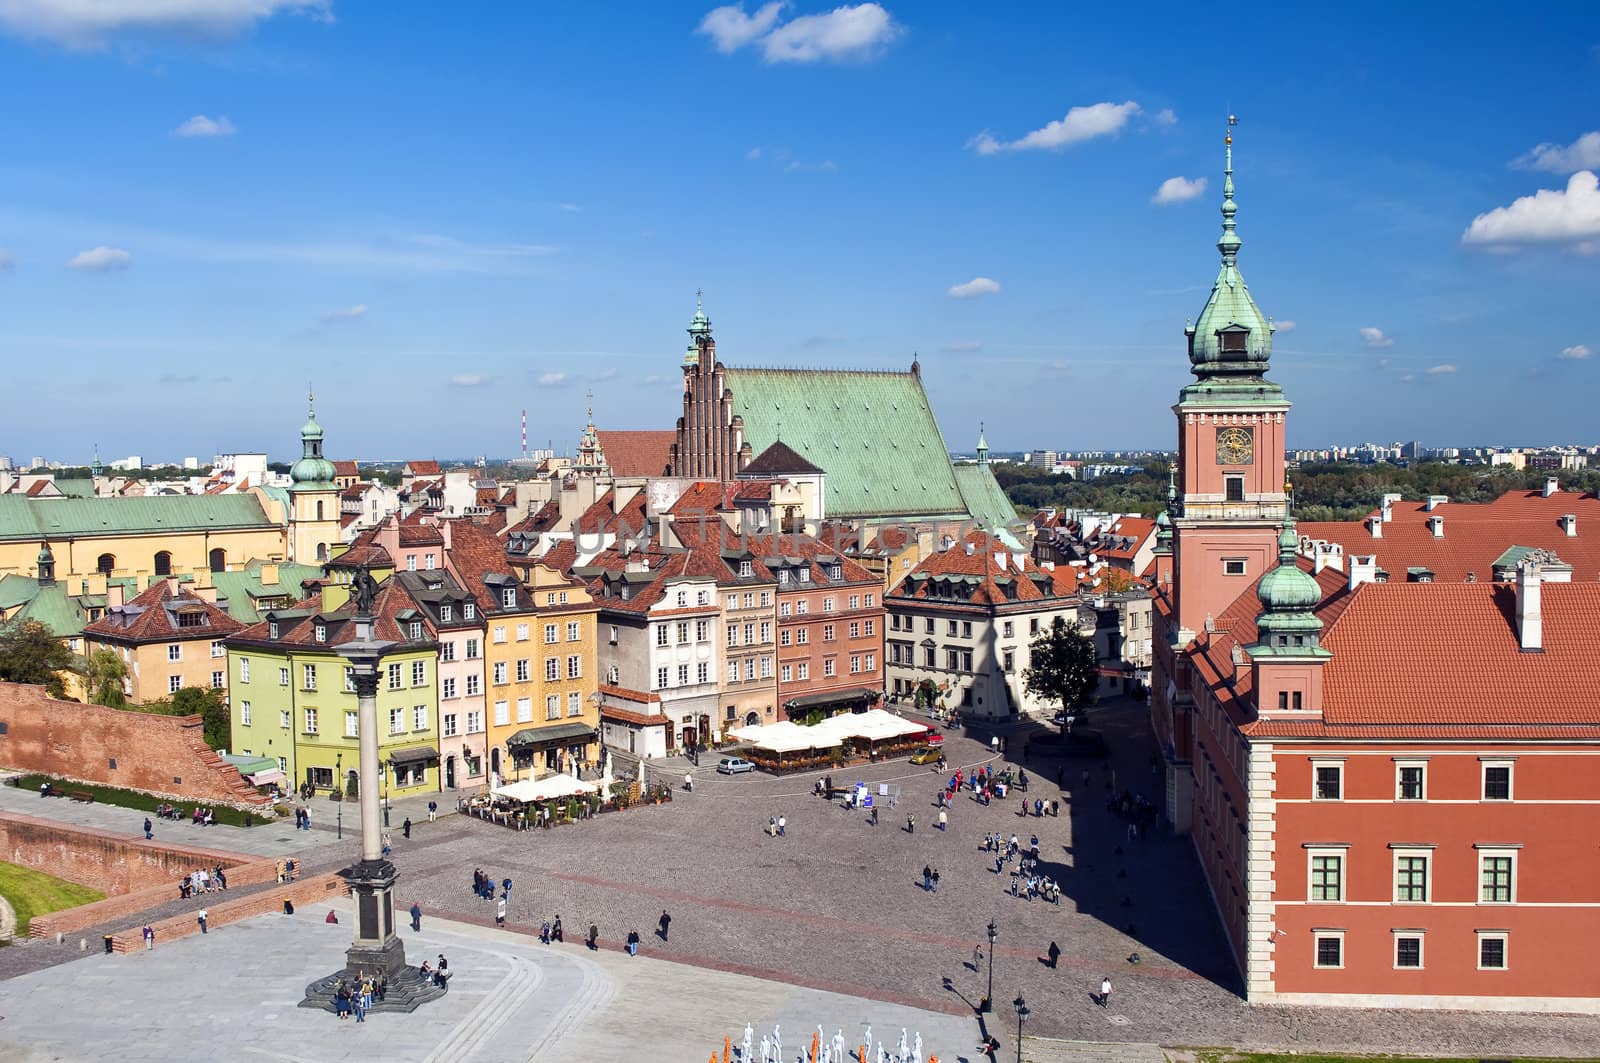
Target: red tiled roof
[629, 694]
[637, 453]
[390, 599]
[1124, 538]
[599, 517]
[147, 617]
[38, 487]
[981, 563]
[423, 468]
[1475, 534]
[474, 553]
[420, 529]
[365, 550]
[638, 719]
[561, 556]
[701, 497]
[543, 519]
[346, 468]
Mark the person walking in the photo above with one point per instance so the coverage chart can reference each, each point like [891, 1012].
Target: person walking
[927, 879]
[943, 819]
[936, 880]
[388, 843]
[148, 833]
[633, 943]
[149, 938]
[977, 957]
[594, 938]
[201, 919]
[666, 923]
[1105, 992]
[772, 826]
[555, 931]
[911, 824]
[416, 918]
[1054, 952]
[433, 810]
[405, 829]
[500, 913]
[783, 825]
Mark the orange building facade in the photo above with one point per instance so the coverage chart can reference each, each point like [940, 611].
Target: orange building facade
[1390, 778]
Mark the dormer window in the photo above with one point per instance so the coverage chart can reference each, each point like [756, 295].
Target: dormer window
[836, 572]
[470, 611]
[508, 597]
[272, 629]
[683, 598]
[415, 630]
[805, 575]
[321, 633]
[447, 613]
[1233, 341]
[746, 570]
[783, 577]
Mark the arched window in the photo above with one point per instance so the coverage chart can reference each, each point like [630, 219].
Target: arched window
[219, 560]
[107, 564]
[163, 563]
[319, 509]
[322, 551]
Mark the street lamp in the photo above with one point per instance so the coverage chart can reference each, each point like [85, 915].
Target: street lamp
[386, 767]
[988, 1000]
[338, 809]
[1022, 1016]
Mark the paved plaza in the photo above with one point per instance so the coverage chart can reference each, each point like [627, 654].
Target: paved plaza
[829, 920]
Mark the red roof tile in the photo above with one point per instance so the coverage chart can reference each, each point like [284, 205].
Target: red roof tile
[982, 576]
[153, 614]
[637, 453]
[346, 468]
[423, 468]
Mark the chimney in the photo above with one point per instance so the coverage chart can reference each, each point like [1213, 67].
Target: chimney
[208, 593]
[1388, 502]
[1435, 501]
[1000, 560]
[1551, 486]
[269, 575]
[1530, 622]
[1327, 555]
[116, 595]
[1375, 524]
[970, 548]
[1569, 524]
[1436, 526]
[1363, 569]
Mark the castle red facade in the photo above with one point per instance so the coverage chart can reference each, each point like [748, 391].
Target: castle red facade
[1390, 770]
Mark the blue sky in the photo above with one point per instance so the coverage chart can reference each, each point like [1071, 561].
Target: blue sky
[443, 215]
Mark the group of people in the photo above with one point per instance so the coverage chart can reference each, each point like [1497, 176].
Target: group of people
[200, 816]
[440, 975]
[202, 881]
[287, 869]
[356, 997]
[302, 818]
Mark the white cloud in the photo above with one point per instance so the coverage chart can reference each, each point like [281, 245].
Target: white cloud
[609, 373]
[1178, 190]
[100, 260]
[570, 208]
[471, 380]
[973, 288]
[845, 33]
[8, 261]
[1374, 337]
[1283, 326]
[731, 29]
[201, 126]
[1549, 216]
[796, 166]
[88, 24]
[1581, 154]
[753, 154]
[345, 313]
[1576, 351]
[1079, 124]
[1441, 370]
[552, 380]
[1166, 117]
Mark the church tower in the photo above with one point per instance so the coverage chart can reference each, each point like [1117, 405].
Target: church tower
[313, 497]
[1230, 501]
[710, 443]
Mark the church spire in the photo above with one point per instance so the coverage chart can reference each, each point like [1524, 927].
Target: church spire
[983, 446]
[1229, 243]
[699, 331]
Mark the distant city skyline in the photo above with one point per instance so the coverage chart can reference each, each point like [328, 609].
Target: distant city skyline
[441, 221]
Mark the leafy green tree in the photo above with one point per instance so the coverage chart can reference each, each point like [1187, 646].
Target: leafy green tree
[31, 653]
[207, 704]
[1063, 667]
[106, 673]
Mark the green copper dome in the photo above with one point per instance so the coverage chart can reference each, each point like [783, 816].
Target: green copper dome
[1232, 337]
[45, 556]
[312, 471]
[1288, 595]
[699, 325]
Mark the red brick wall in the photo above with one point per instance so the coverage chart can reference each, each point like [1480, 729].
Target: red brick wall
[107, 862]
[268, 902]
[163, 755]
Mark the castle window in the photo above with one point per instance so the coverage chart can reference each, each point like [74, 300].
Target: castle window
[1234, 486]
[163, 563]
[1233, 566]
[106, 564]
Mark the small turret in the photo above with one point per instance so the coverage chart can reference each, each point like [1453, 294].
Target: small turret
[699, 332]
[983, 446]
[312, 471]
[47, 565]
[1232, 337]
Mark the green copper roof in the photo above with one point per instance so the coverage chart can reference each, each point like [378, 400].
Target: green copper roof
[52, 608]
[16, 590]
[1288, 595]
[60, 518]
[986, 501]
[243, 589]
[872, 433]
[1231, 337]
[312, 472]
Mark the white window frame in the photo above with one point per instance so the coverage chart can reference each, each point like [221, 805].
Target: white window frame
[502, 713]
[175, 651]
[217, 649]
[1399, 768]
[1511, 780]
[1410, 852]
[419, 717]
[1317, 937]
[352, 723]
[397, 720]
[524, 710]
[522, 632]
[1486, 852]
[1422, 949]
[552, 707]
[244, 713]
[574, 703]
[1313, 853]
[1504, 937]
[1316, 769]
[1235, 566]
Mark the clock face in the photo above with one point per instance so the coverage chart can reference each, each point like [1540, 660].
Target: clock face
[1235, 446]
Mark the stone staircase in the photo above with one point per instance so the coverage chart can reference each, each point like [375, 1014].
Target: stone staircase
[406, 992]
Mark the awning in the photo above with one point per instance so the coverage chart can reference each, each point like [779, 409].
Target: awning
[414, 755]
[544, 789]
[560, 734]
[834, 697]
[267, 778]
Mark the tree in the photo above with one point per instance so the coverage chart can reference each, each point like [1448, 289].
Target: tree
[106, 673]
[31, 653]
[207, 704]
[1063, 667]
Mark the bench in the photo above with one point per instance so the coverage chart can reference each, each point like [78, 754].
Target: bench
[82, 795]
[52, 791]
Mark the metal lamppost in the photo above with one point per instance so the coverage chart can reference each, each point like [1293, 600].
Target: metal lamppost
[988, 1000]
[386, 767]
[1022, 1016]
[338, 777]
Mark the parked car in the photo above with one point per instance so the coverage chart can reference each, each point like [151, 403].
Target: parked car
[935, 738]
[927, 756]
[734, 766]
[1066, 717]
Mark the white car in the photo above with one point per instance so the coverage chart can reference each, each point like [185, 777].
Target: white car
[734, 766]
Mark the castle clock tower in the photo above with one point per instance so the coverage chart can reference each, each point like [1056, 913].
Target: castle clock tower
[1230, 502]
